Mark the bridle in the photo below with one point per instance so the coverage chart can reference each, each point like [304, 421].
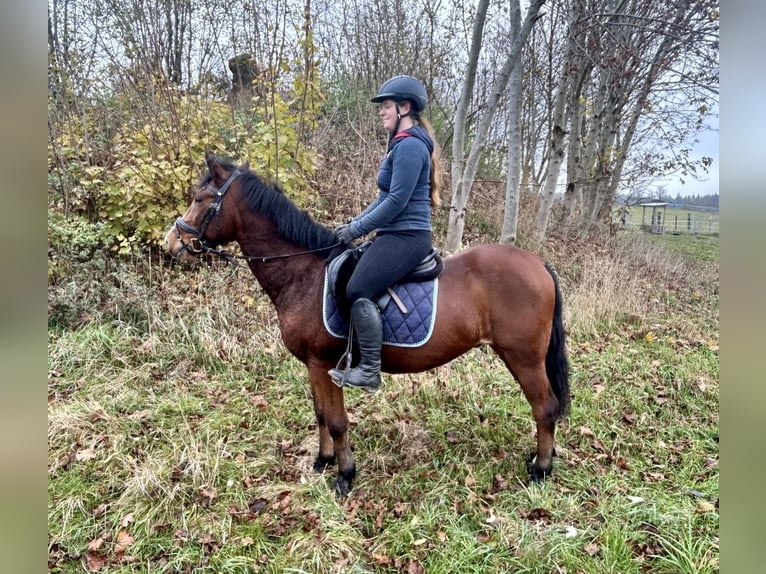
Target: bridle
[197, 245]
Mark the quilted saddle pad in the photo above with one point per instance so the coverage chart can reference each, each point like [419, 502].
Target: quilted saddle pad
[410, 329]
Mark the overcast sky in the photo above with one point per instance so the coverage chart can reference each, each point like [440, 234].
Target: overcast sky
[708, 184]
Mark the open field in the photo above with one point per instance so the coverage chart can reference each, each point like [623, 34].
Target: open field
[181, 434]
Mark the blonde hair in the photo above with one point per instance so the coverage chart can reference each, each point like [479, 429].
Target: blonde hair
[436, 166]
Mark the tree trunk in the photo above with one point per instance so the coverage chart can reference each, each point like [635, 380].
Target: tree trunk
[512, 191]
[559, 121]
[459, 192]
[463, 179]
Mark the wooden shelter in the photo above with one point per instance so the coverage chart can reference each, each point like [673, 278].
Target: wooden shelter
[656, 223]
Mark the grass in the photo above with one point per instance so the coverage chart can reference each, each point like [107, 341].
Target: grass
[181, 435]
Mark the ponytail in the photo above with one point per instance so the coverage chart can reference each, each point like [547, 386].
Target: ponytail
[436, 166]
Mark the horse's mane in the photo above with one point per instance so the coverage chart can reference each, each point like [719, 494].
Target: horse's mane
[294, 224]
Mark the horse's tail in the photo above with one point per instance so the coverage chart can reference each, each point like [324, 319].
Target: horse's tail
[556, 361]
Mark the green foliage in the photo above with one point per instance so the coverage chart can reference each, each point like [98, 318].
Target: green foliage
[133, 177]
[72, 241]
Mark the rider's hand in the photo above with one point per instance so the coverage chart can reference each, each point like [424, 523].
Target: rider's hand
[343, 233]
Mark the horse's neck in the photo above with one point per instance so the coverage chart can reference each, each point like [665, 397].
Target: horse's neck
[286, 280]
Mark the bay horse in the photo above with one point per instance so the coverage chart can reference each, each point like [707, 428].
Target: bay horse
[496, 295]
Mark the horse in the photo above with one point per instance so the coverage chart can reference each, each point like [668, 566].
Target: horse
[489, 294]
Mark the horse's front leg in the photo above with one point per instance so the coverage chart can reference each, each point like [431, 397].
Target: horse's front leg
[332, 422]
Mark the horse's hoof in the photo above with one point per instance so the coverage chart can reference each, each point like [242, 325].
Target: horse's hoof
[342, 487]
[537, 473]
[344, 482]
[322, 462]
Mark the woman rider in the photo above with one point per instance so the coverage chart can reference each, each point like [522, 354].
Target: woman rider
[408, 183]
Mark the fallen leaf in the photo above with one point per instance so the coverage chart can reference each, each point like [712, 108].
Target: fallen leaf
[635, 499]
[591, 549]
[100, 509]
[85, 454]
[570, 532]
[259, 401]
[500, 483]
[599, 388]
[95, 544]
[705, 506]
[208, 494]
[256, 506]
[585, 431]
[94, 561]
[123, 542]
[381, 558]
[127, 519]
[536, 514]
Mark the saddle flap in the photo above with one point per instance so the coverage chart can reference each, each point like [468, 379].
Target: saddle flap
[339, 271]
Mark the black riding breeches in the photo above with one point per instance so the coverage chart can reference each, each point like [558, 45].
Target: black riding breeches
[390, 257]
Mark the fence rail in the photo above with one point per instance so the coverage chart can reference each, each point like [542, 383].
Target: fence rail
[706, 223]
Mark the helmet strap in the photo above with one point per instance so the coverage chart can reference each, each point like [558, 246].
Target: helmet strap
[399, 114]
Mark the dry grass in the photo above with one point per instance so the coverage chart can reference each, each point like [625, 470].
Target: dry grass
[181, 435]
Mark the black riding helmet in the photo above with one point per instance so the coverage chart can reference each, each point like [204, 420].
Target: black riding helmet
[401, 88]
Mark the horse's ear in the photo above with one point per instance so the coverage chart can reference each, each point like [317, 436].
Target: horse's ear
[214, 167]
[246, 166]
[210, 160]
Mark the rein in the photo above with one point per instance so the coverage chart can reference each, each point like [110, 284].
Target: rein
[197, 243]
[263, 259]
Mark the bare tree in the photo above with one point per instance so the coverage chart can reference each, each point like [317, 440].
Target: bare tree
[464, 171]
[515, 95]
[620, 55]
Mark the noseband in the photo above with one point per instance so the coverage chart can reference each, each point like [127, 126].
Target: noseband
[197, 243]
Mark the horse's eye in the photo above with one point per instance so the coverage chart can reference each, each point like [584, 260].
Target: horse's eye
[198, 199]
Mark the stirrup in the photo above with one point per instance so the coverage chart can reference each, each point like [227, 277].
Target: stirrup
[338, 374]
[338, 377]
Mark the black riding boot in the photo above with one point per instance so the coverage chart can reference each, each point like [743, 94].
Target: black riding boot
[368, 326]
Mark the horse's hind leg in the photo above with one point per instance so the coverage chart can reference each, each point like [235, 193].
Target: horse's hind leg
[332, 422]
[545, 408]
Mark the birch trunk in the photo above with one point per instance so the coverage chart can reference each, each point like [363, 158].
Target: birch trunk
[559, 120]
[512, 191]
[457, 204]
[463, 178]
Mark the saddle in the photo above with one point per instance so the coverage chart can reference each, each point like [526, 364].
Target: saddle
[339, 272]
